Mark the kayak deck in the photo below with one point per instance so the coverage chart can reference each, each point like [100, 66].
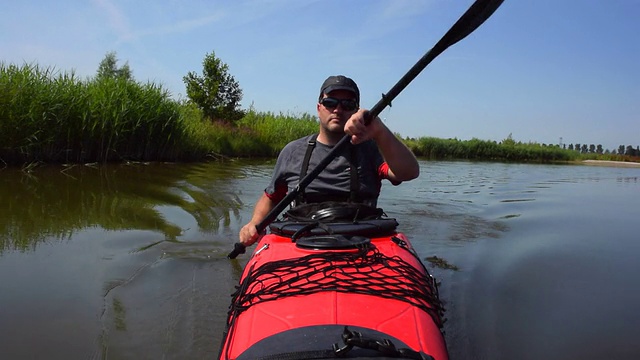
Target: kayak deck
[290, 293]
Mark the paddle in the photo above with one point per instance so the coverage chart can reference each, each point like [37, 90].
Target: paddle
[480, 11]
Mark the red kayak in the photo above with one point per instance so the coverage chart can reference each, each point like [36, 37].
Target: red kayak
[337, 290]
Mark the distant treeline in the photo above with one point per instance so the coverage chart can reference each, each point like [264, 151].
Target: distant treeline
[510, 150]
[52, 117]
[597, 149]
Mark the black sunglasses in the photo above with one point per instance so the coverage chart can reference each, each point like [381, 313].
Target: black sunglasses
[332, 103]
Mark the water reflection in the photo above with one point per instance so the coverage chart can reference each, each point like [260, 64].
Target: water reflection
[53, 203]
[128, 261]
[123, 261]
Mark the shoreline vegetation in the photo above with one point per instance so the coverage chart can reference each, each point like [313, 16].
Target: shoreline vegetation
[51, 117]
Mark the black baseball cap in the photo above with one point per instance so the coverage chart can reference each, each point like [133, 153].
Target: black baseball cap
[339, 82]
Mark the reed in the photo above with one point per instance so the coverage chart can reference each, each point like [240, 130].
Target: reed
[475, 149]
[273, 131]
[52, 116]
[48, 116]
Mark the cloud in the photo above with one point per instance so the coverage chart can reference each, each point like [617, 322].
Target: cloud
[397, 10]
[182, 26]
[115, 18]
[119, 22]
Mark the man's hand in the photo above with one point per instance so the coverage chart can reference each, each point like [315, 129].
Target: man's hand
[359, 131]
[403, 165]
[249, 234]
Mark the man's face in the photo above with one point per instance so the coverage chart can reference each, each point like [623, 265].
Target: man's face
[332, 115]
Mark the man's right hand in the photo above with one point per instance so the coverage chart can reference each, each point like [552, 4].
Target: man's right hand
[249, 234]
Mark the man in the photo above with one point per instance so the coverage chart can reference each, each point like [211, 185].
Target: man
[377, 154]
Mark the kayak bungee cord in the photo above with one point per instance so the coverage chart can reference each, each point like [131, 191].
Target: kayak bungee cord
[475, 16]
[367, 271]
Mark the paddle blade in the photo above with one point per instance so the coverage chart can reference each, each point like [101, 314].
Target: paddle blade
[238, 249]
[475, 16]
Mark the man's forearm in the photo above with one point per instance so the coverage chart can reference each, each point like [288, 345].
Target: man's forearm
[402, 162]
[262, 208]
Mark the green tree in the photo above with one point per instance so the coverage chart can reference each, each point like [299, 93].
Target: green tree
[216, 92]
[599, 149]
[108, 68]
[630, 151]
[509, 140]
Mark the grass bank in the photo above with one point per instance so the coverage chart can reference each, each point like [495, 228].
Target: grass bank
[55, 117]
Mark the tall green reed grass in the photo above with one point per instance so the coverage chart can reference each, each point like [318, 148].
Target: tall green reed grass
[475, 149]
[258, 134]
[52, 116]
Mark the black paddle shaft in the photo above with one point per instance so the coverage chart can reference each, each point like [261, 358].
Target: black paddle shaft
[479, 11]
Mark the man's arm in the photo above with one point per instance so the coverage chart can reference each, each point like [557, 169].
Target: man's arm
[403, 165]
[249, 234]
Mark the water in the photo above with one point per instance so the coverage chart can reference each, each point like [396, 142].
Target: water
[547, 257]
[128, 261]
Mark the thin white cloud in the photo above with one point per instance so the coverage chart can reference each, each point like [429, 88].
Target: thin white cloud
[191, 24]
[179, 27]
[402, 9]
[116, 18]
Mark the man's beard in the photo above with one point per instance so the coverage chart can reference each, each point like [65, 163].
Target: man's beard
[335, 129]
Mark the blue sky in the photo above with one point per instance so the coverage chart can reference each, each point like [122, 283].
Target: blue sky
[541, 70]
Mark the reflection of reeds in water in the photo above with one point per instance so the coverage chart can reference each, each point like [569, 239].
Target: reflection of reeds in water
[50, 204]
[441, 263]
[120, 315]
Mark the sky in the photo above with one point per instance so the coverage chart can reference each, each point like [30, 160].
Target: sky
[543, 71]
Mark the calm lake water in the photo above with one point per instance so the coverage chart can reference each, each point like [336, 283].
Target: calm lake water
[128, 261]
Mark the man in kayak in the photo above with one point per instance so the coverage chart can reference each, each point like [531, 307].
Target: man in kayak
[377, 154]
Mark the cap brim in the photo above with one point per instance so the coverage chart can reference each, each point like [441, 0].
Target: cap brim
[331, 88]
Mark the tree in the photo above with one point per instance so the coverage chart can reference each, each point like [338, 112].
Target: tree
[599, 149]
[509, 140]
[108, 68]
[216, 92]
[630, 151]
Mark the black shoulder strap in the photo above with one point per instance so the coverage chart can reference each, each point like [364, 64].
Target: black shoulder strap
[354, 186]
[305, 166]
[355, 183]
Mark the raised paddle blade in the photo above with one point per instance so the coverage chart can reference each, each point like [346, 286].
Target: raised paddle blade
[475, 16]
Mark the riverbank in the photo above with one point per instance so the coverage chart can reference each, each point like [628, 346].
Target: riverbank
[611, 163]
[51, 117]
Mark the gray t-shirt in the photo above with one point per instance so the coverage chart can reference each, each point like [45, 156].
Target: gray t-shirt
[334, 181]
